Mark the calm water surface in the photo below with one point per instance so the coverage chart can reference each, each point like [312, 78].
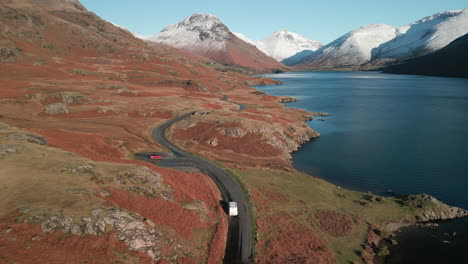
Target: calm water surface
[399, 132]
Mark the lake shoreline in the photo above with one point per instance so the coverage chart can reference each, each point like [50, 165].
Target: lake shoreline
[397, 229]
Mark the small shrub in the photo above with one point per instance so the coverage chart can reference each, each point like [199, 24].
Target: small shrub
[48, 46]
[78, 71]
[382, 251]
[258, 92]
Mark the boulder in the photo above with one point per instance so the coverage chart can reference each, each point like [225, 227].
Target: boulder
[57, 109]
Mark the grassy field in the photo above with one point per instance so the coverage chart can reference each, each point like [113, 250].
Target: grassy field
[306, 195]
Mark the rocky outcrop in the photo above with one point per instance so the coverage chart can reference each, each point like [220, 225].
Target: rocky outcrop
[132, 229]
[433, 209]
[145, 182]
[9, 149]
[235, 132]
[74, 98]
[32, 138]
[287, 99]
[286, 139]
[141, 175]
[8, 54]
[82, 169]
[57, 109]
[249, 142]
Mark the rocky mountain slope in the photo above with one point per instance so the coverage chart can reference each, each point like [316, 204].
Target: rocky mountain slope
[383, 43]
[424, 36]
[354, 48]
[206, 35]
[451, 61]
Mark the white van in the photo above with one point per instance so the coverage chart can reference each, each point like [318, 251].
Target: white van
[232, 208]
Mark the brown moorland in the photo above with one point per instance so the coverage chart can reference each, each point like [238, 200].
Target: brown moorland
[79, 96]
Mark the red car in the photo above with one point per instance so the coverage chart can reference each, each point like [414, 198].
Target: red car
[156, 156]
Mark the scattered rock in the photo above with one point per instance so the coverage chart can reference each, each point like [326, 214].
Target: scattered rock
[113, 87]
[8, 54]
[147, 191]
[135, 231]
[287, 99]
[9, 149]
[235, 132]
[82, 169]
[79, 191]
[57, 109]
[32, 138]
[213, 142]
[74, 98]
[142, 175]
[196, 206]
[104, 193]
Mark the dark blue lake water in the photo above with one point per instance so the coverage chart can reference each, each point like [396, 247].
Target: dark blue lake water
[400, 132]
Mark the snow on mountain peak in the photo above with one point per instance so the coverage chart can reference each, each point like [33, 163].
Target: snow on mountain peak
[283, 44]
[440, 15]
[383, 42]
[195, 31]
[204, 21]
[425, 35]
[244, 38]
[354, 48]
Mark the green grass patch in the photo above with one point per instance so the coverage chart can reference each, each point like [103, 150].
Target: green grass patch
[309, 194]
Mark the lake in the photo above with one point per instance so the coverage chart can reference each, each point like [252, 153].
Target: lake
[404, 133]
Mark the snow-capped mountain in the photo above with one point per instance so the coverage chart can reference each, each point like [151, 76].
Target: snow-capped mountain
[297, 58]
[383, 42]
[283, 44]
[354, 48]
[450, 61]
[206, 35]
[426, 35]
[199, 31]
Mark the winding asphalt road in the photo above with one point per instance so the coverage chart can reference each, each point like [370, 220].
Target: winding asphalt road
[239, 239]
[225, 98]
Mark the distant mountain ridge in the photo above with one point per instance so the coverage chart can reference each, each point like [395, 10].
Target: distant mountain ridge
[450, 61]
[380, 42]
[283, 44]
[426, 35]
[354, 48]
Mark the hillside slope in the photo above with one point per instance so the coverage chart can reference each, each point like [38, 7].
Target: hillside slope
[352, 49]
[426, 35]
[451, 61]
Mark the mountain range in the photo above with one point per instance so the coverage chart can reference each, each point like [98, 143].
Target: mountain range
[379, 42]
[369, 46]
[206, 35]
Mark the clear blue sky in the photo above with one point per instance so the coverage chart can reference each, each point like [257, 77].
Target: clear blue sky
[323, 20]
